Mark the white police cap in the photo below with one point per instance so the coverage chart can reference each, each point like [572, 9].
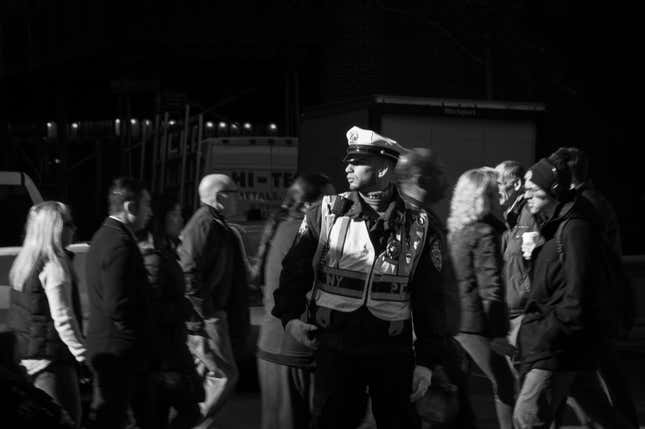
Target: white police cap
[366, 142]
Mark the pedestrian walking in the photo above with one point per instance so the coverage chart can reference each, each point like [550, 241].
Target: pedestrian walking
[285, 367]
[475, 230]
[423, 183]
[610, 375]
[519, 221]
[216, 278]
[117, 333]
[560, 332]
[172, 382]
[45, 311]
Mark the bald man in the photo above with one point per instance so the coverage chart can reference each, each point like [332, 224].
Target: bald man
[215, 272]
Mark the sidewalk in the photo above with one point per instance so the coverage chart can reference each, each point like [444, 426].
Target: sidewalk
[243, 412]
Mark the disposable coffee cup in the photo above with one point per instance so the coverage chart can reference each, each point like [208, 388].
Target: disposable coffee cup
[530, 240]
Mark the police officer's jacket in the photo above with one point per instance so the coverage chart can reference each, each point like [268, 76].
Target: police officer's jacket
[364, 276]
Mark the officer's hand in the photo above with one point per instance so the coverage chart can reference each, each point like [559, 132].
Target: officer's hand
[303, 332]
[501, 346]
[421, 380]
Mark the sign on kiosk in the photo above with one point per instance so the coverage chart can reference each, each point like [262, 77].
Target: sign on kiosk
[263, 168]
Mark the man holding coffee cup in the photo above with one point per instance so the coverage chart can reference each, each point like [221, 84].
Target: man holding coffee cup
[559, 333]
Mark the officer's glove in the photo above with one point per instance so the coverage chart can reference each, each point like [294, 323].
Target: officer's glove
[421, 380]
[304, 333]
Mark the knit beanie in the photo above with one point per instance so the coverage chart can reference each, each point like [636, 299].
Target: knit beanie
[553, 176]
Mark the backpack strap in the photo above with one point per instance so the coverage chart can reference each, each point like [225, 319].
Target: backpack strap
[559, 244]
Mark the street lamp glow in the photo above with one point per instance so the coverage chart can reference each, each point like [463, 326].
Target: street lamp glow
[234, 126]
[171, 122]
[133, 121]
[209, 124]
[247, 126]
[273, 127]
[222, 124]
[75, 125]
[117, 121]
[147, 122]
[49, 125]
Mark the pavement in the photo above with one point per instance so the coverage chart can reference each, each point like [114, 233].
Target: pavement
[244, 410]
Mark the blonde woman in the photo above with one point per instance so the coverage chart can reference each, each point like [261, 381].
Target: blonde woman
[475, 230]
[45, 310]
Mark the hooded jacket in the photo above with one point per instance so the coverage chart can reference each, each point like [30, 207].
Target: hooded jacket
[559, 330]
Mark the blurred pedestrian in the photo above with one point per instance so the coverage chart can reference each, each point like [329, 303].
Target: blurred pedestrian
[45, 310]
[275, 218]
[117, 335]
[474, 239]
[374, 262]
[609, 372]
[172, 382]
[560, 332]
[285, 366]
[216, 279]
[422, 183]
[578, 164]
[22, 403]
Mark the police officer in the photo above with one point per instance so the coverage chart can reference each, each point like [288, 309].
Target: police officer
[362, 265]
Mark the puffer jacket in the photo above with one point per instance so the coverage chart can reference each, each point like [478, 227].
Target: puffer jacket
[477, 260]
[559, 330]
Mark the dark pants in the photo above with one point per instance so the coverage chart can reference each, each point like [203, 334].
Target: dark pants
[590, 402]
[619, 392]
[589, 395]
[497, 370]
[60, 381]
[456, 366]
[342, 382]
[114, 382]
[163, 391]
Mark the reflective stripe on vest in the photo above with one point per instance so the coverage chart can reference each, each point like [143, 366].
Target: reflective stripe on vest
[349, 275]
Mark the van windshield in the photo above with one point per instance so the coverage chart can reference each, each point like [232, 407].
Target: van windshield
[14, 206]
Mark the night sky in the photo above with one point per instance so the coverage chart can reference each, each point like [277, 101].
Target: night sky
[66, 59]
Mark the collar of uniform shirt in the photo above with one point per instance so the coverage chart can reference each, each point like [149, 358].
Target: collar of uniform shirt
[394, 212]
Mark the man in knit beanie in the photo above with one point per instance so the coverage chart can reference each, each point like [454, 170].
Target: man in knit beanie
[561, 332]
[553, 177]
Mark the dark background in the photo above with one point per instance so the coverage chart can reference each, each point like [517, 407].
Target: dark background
[86, 60]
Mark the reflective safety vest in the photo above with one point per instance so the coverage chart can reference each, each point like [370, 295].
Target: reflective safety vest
[348, 273]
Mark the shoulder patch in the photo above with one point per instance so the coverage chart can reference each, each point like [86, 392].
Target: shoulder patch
[436, 255]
